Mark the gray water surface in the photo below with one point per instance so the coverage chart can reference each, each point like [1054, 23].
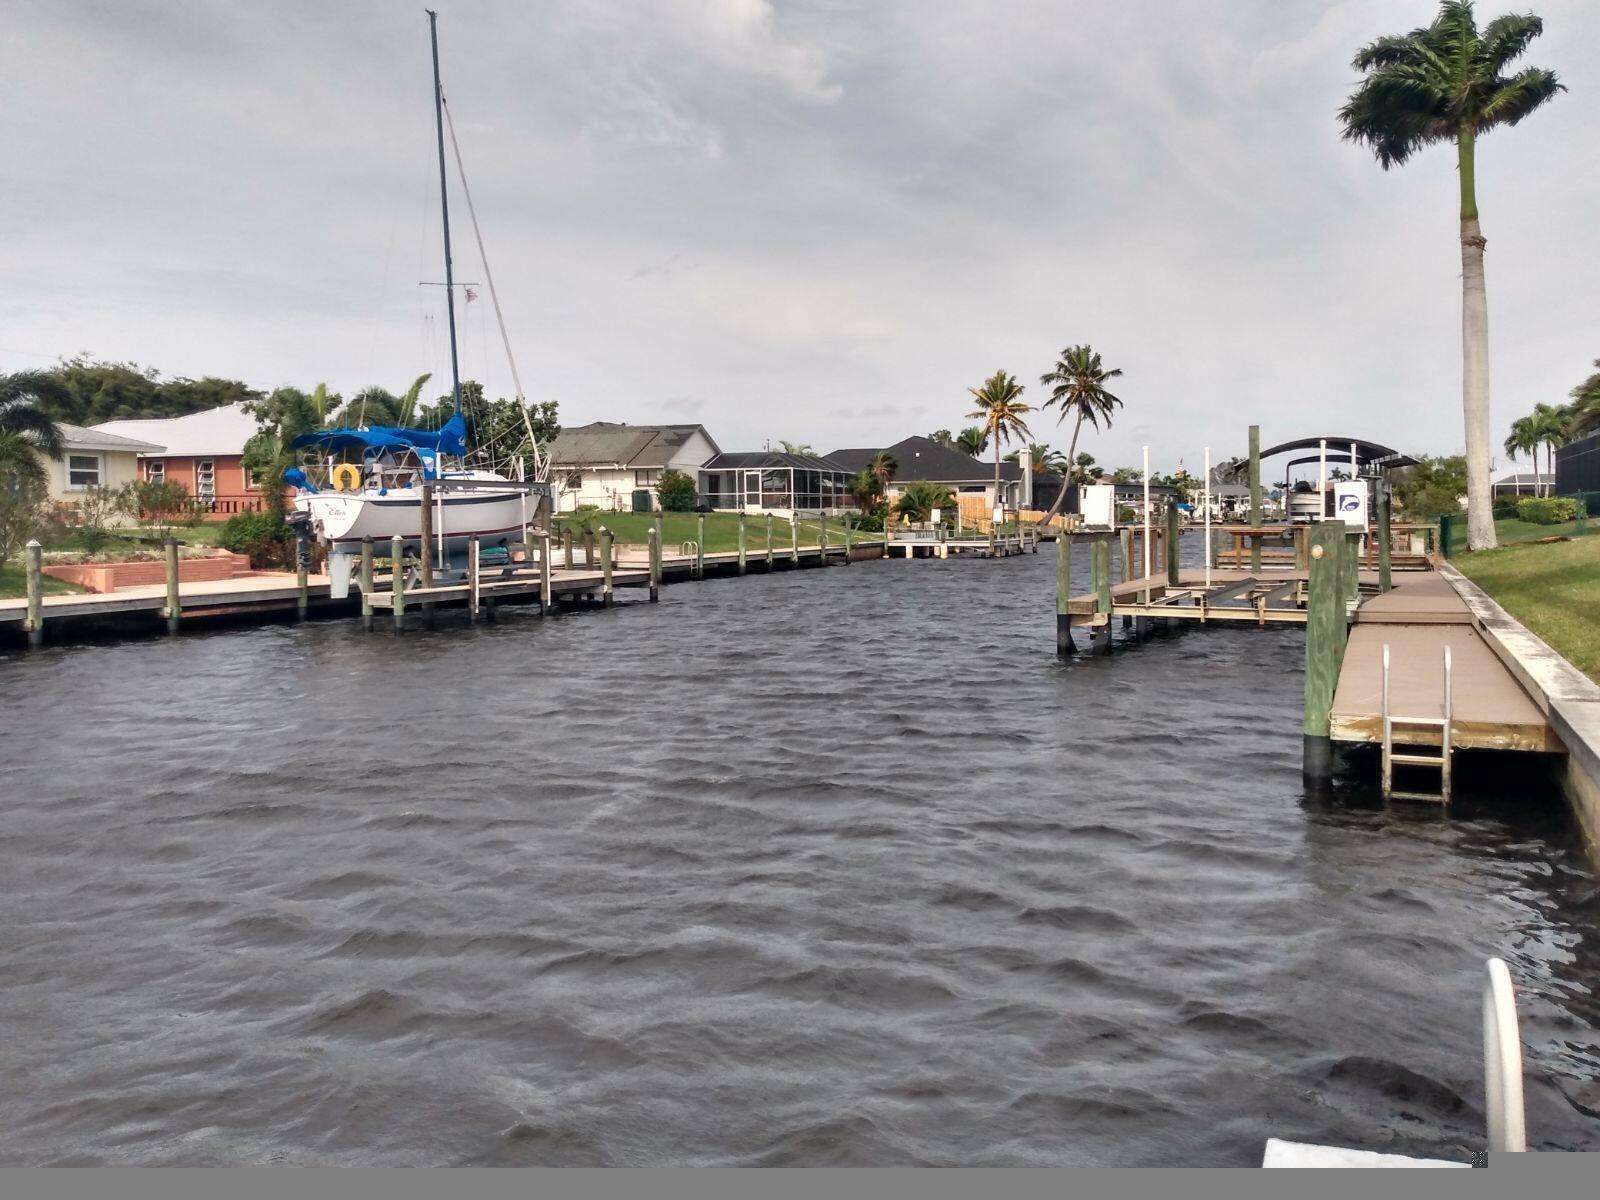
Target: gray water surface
[831, 867]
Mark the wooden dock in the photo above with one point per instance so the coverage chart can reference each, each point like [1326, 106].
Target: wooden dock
[1416, 619]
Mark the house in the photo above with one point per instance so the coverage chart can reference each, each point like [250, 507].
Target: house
[1527, 483]
[94, 458]
[773, 481]
[203, 452]
[920, 458]
[603, 463]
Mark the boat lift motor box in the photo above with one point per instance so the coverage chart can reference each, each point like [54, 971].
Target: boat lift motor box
[1350, 502]
[1097, 505]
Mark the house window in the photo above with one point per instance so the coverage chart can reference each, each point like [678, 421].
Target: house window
[252, 479]
[155, 470]
[575, 481]
[83, 470]
[205, 479]
[647, 478]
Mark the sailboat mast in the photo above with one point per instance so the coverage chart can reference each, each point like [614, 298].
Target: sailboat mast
[444, 209]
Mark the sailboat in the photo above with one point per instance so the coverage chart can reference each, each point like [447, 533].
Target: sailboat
[381, 493]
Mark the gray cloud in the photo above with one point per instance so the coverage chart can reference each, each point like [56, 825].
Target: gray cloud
[820, 221]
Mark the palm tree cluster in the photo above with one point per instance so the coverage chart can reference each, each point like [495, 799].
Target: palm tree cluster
[869, 486]
[1550, 426]
[1450, 82]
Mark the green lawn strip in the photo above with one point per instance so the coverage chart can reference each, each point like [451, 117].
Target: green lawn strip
[14, 583]
[1553, 589]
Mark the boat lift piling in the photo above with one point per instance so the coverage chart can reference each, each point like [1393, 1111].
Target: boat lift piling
[366, 583]
[35, 589]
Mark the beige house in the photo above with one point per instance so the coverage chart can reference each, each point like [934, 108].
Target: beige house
[93, 458]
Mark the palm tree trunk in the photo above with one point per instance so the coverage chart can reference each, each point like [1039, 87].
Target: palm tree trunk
[1066, 475]
[1474, 355]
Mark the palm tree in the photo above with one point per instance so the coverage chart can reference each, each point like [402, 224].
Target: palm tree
[882, 466]
[1445, 82]
[920, 498]
[1583, 414]
[1552, 426]
[1078, 385]
[865, 490]
[26, 428]
[1523, 439]
[796, 447]
[1084, 468]
[972, 440]
[1000, 407]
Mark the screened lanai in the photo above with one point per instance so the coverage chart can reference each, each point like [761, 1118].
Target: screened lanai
[772, 481]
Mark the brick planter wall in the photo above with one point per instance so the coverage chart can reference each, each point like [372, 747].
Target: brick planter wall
[108, 577]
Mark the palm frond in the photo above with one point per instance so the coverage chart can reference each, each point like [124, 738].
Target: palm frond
[1516, 97]
[1505, 39]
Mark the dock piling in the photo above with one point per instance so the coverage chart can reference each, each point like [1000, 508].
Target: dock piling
[397, 585]
[545, 596]
[174, 609]
[742, 524]
[1172, 544]
[425, 551]
[474, 601]
[846, 541]
[366, 583]
[35, 569]
[655, 565]
[1385, 537]
[1064, 644]
[606, 593]
[589, 558]
[822, 540]
[769, 543]
[700, 549]
[1100, 577]
[1326, 631]
[302, 595]
[1255, 495]
[794, 538]
[566, 549]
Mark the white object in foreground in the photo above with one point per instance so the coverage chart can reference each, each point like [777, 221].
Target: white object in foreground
[1304, 1154]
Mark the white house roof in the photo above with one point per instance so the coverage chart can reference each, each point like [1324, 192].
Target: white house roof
[77, 437]
[215, 431]
[1525, 477]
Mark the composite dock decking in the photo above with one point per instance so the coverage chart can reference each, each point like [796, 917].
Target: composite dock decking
[1417, 620]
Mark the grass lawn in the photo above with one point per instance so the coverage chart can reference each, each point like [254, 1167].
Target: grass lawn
[1512, 530]
[1553, 589]
[14, 582]
[722, 530]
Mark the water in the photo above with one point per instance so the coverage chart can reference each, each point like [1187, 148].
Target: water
[825, 868]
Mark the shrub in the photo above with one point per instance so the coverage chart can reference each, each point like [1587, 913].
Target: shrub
[163, 504]
[676, 490]
[24, 512]
[1505, 509]
[261, 535]
[1547, 510]
[919, 498]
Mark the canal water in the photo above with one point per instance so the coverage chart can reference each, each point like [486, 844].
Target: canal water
[834, 867]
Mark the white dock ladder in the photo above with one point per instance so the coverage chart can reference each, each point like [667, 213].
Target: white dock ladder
[1502, 1062]
[1440, 762]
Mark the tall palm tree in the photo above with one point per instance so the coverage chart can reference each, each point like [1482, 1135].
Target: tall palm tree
[27, 429]
[1000, 408]
[1078, 386]
[796, 447]
[972, 440]
[1446, 82]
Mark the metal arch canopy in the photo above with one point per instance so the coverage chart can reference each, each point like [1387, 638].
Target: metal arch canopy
[1366, 452]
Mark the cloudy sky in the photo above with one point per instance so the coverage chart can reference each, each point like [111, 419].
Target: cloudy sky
[819, 220]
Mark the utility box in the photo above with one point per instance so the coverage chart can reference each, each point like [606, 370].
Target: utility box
[1097, 505]
[641, 500]
[1350, 502]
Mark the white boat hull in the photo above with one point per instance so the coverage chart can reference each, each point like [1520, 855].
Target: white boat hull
[341, 520]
